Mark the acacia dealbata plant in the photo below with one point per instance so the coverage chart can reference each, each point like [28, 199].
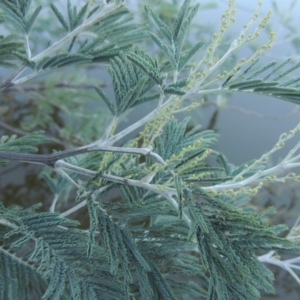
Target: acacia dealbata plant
[180, 227]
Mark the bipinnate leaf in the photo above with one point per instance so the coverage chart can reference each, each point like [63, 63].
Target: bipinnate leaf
[106, 99]
[63, 59]
[14, 15]
[17, 14]
[50, 257]
[176, 37]
[270, 84]
[166, 49]
[32, 18]
[132, 96]
[152, 71]
[164, 29]
[184, 30]
[8, 44]
[177, 27]
[179, 188]
[24, 59]
[59, 17]
[187, 55]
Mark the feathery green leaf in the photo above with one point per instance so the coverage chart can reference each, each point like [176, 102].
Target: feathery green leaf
[30, 21]
[163, 28]
[59, 17]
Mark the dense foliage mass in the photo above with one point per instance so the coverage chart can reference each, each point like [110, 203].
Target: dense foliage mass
[179, 227]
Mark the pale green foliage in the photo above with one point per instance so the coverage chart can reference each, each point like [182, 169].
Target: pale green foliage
[7, 46]
[180, 228]
[17, 13]
[246, 81]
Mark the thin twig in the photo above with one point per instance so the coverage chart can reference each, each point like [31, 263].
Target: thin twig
[51, 159]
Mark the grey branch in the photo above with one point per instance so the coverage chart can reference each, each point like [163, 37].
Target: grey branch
[51, 159]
